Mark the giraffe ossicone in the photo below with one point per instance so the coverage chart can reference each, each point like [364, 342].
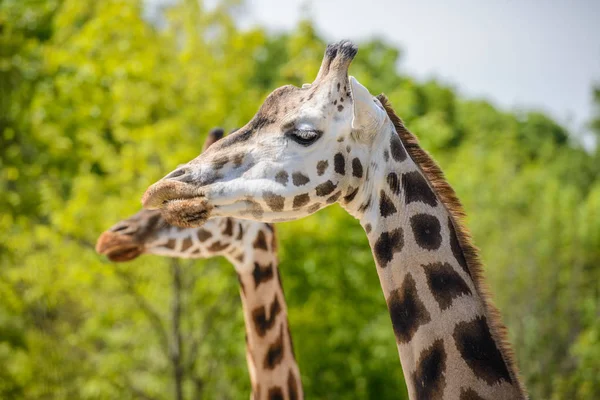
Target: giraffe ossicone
[252, 249]
[332, 141]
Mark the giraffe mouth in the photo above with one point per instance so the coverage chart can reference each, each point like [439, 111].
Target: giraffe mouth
[124, 254]
[118, 248]
[180, 204]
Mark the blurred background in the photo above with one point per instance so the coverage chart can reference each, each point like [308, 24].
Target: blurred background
[102, 98]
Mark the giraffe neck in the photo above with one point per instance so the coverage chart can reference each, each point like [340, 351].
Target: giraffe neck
[274, 373]
[447, 333]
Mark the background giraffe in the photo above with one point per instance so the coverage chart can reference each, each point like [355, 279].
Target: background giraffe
[449, 336]
[252, 248]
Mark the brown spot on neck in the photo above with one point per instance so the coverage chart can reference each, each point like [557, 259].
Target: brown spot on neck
[261, 241]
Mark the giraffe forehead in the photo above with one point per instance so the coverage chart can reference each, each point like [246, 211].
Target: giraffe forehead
[290, 106]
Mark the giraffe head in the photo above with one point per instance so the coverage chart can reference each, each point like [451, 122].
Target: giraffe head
[306, 148]
[147, 232]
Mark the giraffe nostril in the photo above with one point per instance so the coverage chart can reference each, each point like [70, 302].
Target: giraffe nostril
[178, 173]
[120, 228]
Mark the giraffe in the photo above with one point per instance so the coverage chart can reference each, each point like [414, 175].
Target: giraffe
[329, 142]
[252, 249]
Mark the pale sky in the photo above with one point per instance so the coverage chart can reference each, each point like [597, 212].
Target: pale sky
[542, 54]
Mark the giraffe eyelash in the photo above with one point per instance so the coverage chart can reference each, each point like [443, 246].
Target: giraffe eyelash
[304, 137]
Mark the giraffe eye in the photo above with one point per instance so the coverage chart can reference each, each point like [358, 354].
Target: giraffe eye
[305, 137]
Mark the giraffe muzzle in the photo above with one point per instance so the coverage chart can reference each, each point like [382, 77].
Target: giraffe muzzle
[118, 247]
[166, 191]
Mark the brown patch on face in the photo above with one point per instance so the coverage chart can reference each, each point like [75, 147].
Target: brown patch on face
[368, 228]
[274, 355]
[299, 179]
[240, 234]
[314, 208]
[407, 310]
[386, 155]
[339, 164]
[219, 162]
[253, 208]
[282, 177]
[340, 108]
[262, 274]
[217, 246]
[428, 378]
[322, 166]
[325, 188]
[301, 200]
[186, 244]
[261, 241]
[262, 324]
[274, 201]
[352, 192]
[334, 198]
[171, 244]
[357, 168]
[238, 160]
[203, 235]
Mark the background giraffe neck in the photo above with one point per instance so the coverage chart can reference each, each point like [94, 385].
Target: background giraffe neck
[252, 249]
[448, 341]
[274, 372]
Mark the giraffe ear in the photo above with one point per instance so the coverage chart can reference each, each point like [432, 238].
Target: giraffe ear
[367, 116]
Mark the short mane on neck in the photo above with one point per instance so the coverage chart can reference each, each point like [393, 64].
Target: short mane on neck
[452, 204]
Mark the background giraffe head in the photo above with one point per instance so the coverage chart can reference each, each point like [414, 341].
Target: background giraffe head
[306, 148]
[146, 232]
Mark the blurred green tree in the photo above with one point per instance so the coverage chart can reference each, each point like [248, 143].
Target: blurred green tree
[99, 101]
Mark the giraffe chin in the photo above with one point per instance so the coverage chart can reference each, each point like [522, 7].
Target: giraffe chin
[124, 254]
[187, 213]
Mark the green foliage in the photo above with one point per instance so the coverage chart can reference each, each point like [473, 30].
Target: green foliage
[98, 102]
